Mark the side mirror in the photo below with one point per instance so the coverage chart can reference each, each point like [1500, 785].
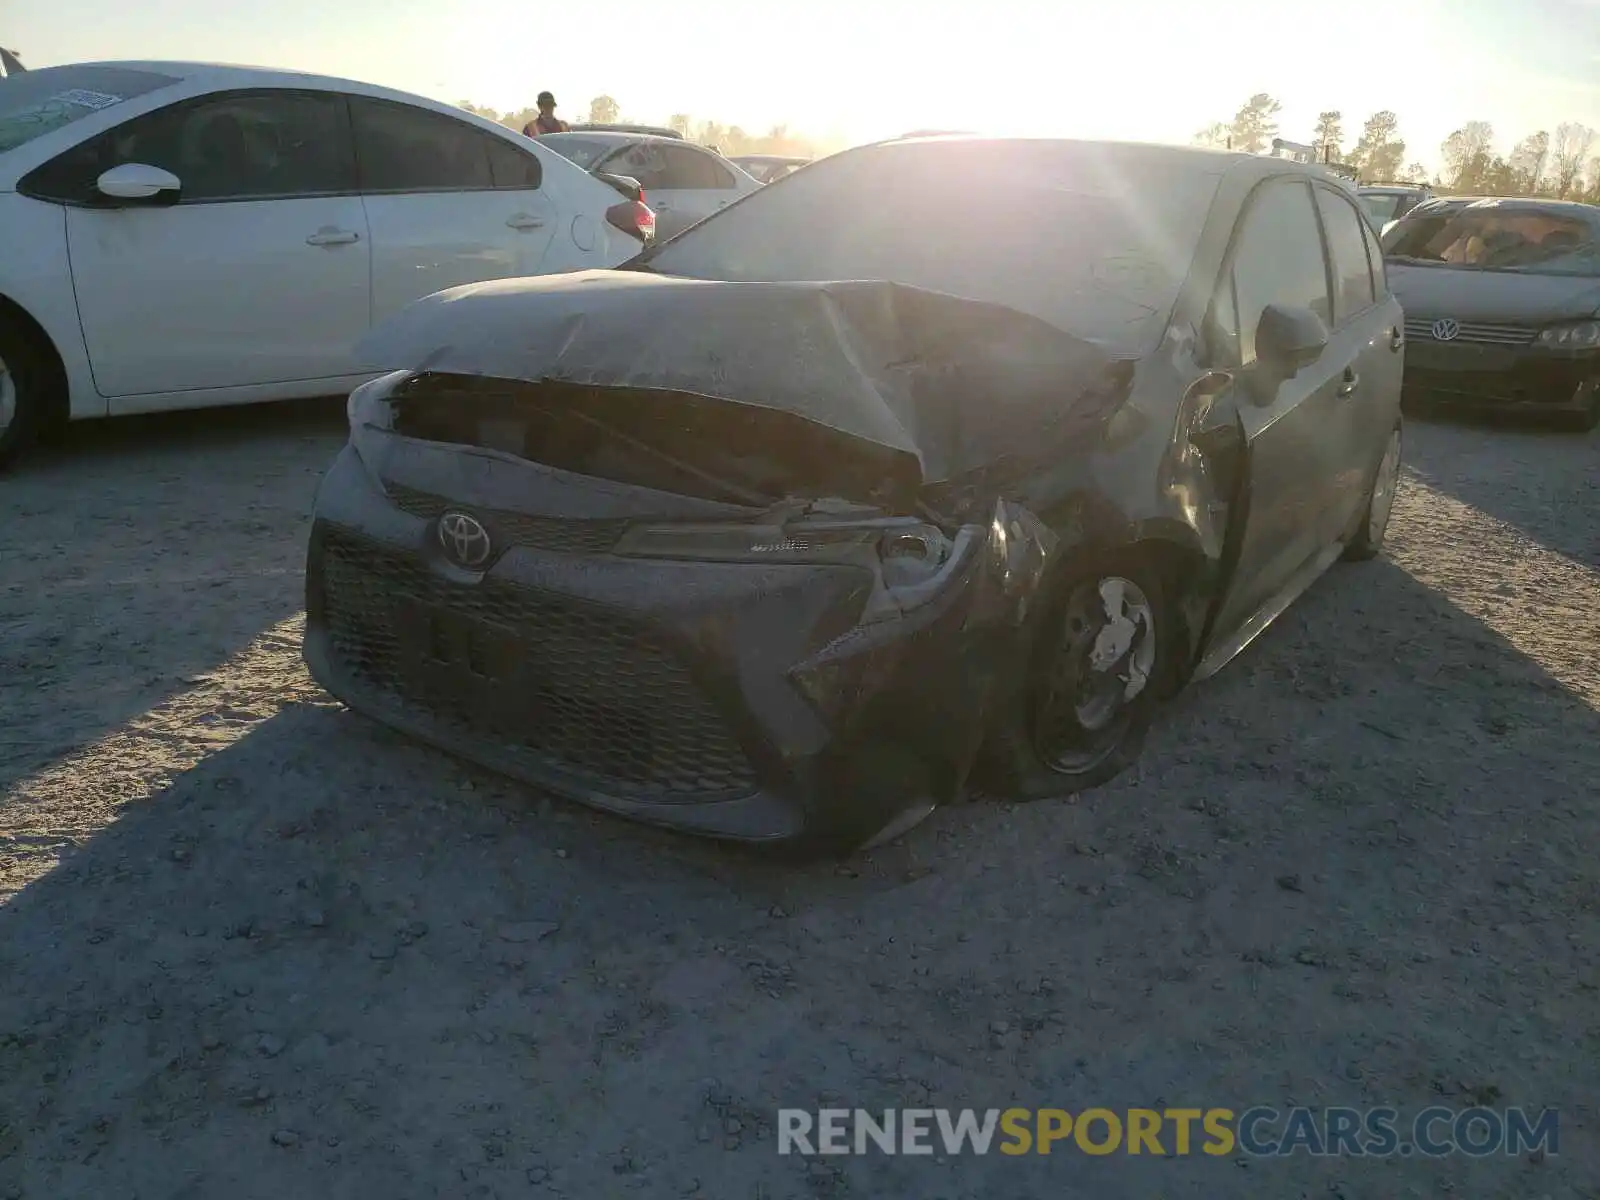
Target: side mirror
[1289, 338]
[139, 181]
[626, 184]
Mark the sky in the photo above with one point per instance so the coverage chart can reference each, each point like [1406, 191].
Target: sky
[1148, 70]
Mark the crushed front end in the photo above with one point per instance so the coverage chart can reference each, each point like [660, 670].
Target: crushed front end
[529, 577]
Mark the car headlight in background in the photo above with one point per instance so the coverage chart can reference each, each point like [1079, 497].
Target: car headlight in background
[1574, 335]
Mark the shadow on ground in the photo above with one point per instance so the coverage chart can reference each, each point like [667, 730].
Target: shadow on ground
[140, 553]
[1356, 868]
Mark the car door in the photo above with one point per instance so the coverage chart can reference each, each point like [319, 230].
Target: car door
[1365, 332]
[1277, 257]
[447, 202]
[259, 274]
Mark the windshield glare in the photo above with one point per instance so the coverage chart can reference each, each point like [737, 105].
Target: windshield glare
[1491, 239]
[1094, 239]
[38, 102]
[576, 148]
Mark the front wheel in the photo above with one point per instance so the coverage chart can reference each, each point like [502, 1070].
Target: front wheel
[1367, 542]
[23, 380]
[1094, 673]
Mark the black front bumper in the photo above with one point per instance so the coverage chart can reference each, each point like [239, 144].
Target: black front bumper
[663, 691]
[1479, 376]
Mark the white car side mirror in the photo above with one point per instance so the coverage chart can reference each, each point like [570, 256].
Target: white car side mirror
[137, 181]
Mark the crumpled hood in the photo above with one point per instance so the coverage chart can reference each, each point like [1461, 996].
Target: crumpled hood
[956, 384]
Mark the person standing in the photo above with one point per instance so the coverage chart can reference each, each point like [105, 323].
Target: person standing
[546, 121]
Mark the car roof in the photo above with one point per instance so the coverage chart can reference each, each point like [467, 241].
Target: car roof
[211, 76]
[1200, 157]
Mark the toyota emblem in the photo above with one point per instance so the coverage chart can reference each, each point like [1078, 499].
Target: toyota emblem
[464, 540]
[1446, 329]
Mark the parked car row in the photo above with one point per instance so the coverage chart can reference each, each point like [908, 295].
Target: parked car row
[780, 529]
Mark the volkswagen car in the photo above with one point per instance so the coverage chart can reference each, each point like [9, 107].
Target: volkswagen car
[1502, 303]
[788, 539]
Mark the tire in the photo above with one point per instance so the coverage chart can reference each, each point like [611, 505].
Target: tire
[24, 391]
[1041, 746]
[1367, 541]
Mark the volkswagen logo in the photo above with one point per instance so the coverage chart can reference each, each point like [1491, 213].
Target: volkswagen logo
[464, 540]
[1446, 328]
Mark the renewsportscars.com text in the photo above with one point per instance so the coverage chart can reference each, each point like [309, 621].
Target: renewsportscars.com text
[1259, 1131]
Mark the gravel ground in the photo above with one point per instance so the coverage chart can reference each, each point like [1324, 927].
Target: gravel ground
[253, 945]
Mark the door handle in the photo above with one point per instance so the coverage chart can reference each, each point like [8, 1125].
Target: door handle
[329, 236]
[523, 221]
[1396, 340]
[1351, 382]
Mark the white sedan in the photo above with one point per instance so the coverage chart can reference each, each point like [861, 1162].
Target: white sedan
[179, 235]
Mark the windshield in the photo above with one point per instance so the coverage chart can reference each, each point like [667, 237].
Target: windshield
[1381, 208]
[1095, 239]
[1487, 238]
[38, 102]
[579, 149]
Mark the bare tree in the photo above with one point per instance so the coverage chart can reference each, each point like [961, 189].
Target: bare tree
[603, 110]
[1466, 155]
[1527, 162]
[1216, 136]
[1569, 150]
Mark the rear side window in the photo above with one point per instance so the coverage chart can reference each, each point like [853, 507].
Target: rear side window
[404, 149]
[1347, 253]
[1277, 259]
[645, 162]
[512, 168]
[694, 169]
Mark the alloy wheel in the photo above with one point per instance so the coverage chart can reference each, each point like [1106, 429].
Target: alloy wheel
[1103, 661]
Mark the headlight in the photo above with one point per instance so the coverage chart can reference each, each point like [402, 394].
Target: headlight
[368, 409]
[1576, 335]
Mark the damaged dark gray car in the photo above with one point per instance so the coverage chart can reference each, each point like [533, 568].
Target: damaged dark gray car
[865, 485]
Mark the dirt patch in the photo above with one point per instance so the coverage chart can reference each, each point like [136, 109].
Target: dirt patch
[257, 946]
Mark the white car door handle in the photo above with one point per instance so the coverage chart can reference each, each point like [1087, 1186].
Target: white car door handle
[524, 221]
[333, 237]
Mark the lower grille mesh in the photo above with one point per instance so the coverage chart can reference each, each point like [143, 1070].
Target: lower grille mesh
[573, 692]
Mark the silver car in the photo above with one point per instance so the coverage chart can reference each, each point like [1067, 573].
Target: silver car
[683, 183]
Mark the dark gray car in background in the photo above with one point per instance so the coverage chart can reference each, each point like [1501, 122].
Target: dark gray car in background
[1502, 304]
[779, 538]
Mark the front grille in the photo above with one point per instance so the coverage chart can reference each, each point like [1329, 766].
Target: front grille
[1482, 333]
[520, 529]
[573, 693]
